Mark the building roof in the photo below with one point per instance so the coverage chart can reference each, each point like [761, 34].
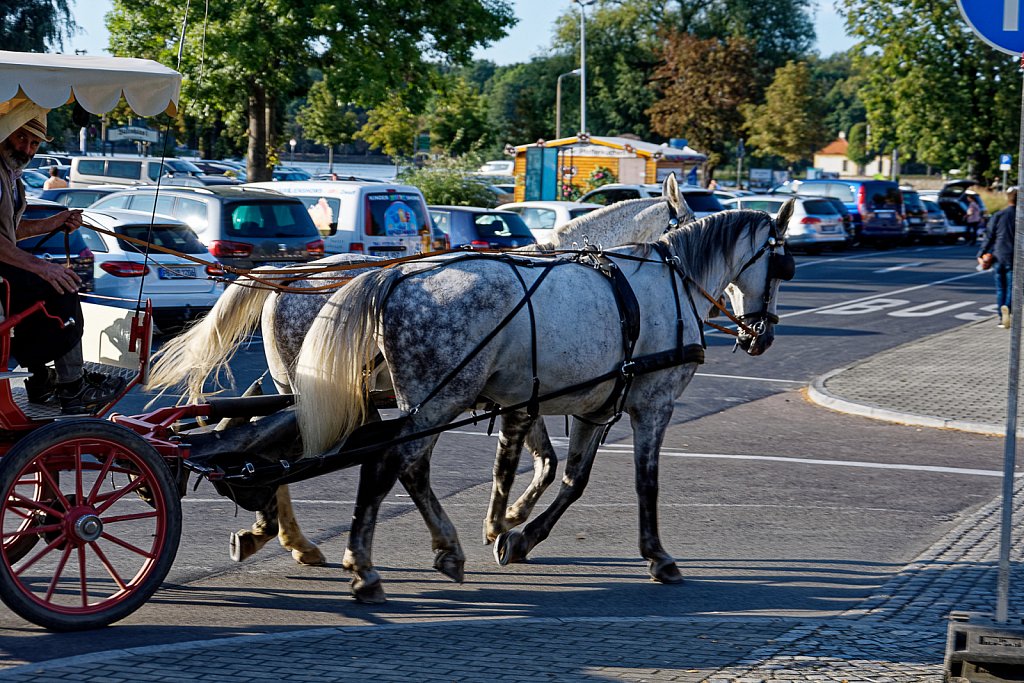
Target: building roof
[615, 146]
[837, 147]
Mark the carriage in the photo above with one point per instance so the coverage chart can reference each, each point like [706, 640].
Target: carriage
[90, 511]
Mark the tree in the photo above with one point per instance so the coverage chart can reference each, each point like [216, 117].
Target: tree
[703, 85]
[857, 150]
[790, 123]
[841, 81]
[391, 126]
[456, 117]
[256, 54]
[326, 119]
[35, 25]
[932, 88]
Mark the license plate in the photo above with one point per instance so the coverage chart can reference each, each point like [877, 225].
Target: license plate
[176, 273]
[914, 221]
[830, 228]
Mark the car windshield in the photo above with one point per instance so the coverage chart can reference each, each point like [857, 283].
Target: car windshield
[176, 237]
[494, 225]
[882, 195]
[33, 179]
[819, 207]
[769, 205]
[323, 210]
[179, 166]
[268, 219]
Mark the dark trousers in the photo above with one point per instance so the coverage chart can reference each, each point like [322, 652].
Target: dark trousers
[39, 338]
[1004, 283]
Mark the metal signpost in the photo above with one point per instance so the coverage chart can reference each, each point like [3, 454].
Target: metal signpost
[972, 647]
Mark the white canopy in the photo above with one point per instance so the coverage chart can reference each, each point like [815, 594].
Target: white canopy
[31, 83]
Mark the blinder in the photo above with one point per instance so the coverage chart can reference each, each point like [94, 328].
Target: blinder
[782, 266]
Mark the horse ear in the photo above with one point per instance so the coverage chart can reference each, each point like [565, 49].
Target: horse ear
[670, 191]
[782, 219]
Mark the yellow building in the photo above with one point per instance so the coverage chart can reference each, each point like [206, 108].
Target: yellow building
[544, 169]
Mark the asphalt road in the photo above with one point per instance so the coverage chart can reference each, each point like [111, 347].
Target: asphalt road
[770, 504]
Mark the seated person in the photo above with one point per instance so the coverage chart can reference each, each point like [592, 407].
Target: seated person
[56, 333]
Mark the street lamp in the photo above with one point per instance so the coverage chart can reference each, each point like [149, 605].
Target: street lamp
[558, 101]
[292, 143]
[583, 62]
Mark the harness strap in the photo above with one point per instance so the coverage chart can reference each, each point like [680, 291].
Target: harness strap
[533, 409]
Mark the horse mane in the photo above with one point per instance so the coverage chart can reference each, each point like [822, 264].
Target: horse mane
[718, 233]
[602, 225]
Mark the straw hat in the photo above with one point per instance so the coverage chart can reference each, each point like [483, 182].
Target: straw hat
[37, 126]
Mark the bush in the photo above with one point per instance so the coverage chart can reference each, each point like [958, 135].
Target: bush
[602, 175]
[450, 181]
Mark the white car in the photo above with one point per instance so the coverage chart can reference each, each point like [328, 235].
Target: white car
[701, 201]
[816, 222]
[542, 217]
[178, 288]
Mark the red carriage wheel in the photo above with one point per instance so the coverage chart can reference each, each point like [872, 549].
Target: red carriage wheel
[100, 550]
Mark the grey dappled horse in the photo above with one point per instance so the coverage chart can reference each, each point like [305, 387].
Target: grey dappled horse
[284, 318]
[454, 332]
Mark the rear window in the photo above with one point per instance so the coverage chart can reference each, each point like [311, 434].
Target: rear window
[53, 244]
[576, 213]
[394, 214]
[759, 205]
[80, 200]
[493, 225]
[701, 201]
[176, 237]
[124, 169]
[882, 195]
[267, 219]
[818, 207]
[912, 200]
[323, 210]
[91, 167]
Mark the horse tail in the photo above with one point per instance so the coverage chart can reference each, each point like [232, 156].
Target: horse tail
[206, 347]
[331, 378]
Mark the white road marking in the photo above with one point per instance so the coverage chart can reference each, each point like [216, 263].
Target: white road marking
[751, 379]
[892, 269]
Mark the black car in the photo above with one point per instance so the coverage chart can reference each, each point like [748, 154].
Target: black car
[51, 247]
[458, 226]
[77, 197]
[915, 213]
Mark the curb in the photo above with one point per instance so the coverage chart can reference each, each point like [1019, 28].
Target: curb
[817, 393]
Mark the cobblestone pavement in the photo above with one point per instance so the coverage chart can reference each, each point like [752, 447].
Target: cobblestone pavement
[897, 635]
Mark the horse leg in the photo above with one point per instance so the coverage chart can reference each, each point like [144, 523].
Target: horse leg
[648, 432]
[246, 542]
[289, 534]
[376, 477]
[514, 546]
[545, 462]
[448, 556]
[514, 428]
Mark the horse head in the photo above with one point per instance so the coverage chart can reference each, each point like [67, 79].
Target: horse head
[755, 289]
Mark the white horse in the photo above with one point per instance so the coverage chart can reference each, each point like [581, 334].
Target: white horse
[526, 336]
[205, 349]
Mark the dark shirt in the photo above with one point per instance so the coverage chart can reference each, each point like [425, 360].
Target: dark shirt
[999, 240]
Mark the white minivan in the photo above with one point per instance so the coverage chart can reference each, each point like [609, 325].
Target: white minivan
[354, 216]
[87, 171]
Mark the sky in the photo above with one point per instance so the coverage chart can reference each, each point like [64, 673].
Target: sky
[530, 37]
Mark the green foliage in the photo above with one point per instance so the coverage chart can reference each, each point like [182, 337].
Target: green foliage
[932, 88]
[790, 123]
[391, 127]
[449, 181]
[602, 175]
[35, 25]
[456, 118]
[858, 151]
[839, 80]
[704, 85]
[325, 118]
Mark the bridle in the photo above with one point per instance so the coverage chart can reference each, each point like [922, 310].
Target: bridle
[781, 266]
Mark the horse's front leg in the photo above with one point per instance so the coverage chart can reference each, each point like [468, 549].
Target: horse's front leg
[376, 477]
[648, 433]
[514, 546]
[449, 558]
[545, 463]
[514, 428]
[246, 542]
[289, 534]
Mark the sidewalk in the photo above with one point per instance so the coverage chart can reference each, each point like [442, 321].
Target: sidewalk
[955, 379]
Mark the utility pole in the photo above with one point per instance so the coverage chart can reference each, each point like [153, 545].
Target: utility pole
[583, 62]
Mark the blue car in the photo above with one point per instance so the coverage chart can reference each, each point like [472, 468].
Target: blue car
[460, 226]
[875, 206]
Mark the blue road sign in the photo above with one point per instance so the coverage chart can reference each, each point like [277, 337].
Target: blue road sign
[997, 23]
[1005, 162]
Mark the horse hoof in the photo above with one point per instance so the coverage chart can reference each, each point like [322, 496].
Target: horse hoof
[311, 557]
[449, 564]
[242, 546]
[368, 593]
[509, 547]
[665, 571]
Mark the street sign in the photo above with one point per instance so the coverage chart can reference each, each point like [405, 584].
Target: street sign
[1005, 162]
[996, 23]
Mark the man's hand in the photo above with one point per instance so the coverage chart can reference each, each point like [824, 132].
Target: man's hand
[60, 278]
[70, 220]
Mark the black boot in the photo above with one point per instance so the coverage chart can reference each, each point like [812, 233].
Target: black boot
[89, 394]
[42, 385]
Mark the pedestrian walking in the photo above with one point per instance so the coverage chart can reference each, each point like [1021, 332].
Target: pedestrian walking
[973, 219]
[997, 253]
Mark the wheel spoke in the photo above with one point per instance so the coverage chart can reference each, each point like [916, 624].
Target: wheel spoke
[128, 546]
[78, 473]
[150, 514]
[53, 485]
[102, 503]
[62, 538]
[82, 581]
[108, 566]
[57, 573]
[31, 531]
[36, 504]
[100, 477]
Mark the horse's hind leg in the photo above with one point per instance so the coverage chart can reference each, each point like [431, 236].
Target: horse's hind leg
[246, 542]
[514, 428]
[290, 536]
[545, 462]
[449, 558]
[514, 546]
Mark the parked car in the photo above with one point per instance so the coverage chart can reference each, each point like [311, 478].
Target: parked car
[52, 248]
[203, 180]
[375, 218]
[280, 173]
[542, 217]
[503, 167]
[936, 225]
[954, 205]
[701, 201]
[47, 159]
[876, 206]
[179, 289]
[78, 197]
[87, 171]
[914, 213]
[478, 228]
[33, 182]
[242, 226]
[816, 223]
[214, 167]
